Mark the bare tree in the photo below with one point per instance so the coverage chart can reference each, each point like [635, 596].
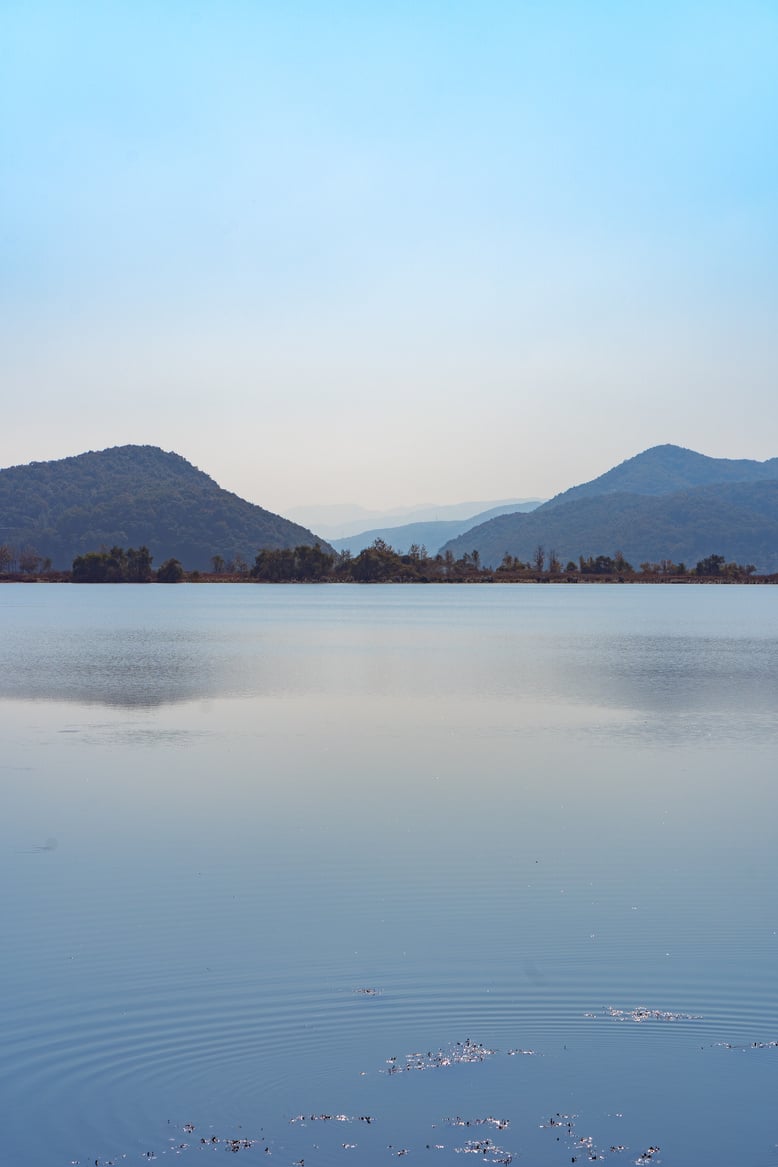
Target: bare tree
[29, 561]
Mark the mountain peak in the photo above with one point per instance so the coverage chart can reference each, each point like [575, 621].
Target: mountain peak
[666, 468]
[664, 503]
[135, 495]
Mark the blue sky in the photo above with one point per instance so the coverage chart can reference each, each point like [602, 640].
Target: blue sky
[388, 253]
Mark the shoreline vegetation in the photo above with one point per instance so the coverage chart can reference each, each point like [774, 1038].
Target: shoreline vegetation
[379, 563]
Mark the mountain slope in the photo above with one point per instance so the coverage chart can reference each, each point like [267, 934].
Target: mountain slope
[431, 535]
[666, 469]
[341, 521]
[738, 520]
[133, 495]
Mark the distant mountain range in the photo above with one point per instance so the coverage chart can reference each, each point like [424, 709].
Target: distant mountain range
[337, 521]
[431, 535]
[666, 503]
[129, 496]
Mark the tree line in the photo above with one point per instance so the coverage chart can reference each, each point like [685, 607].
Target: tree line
[22, 560]
[120, 566]
[379, 563]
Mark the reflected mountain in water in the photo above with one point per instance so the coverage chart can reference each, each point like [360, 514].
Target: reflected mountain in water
[592, 658]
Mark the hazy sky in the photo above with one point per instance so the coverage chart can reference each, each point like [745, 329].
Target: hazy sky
[389, 252]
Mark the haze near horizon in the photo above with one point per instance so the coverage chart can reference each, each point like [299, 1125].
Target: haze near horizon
[345, 252]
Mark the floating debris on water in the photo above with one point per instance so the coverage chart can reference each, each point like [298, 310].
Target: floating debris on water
[577, 1148]
[456, 1054]
[557, 1120]
[501, 1124]
[236, 1145]
[363, 992]
[648, 1156]
[488, 1150]
[307, 1149]
[641, 1013]
[750, 1045]
[229, 1143]
[583, 1147]
[327, 1118]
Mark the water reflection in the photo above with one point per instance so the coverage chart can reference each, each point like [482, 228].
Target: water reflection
[679, 662]
[504, 809]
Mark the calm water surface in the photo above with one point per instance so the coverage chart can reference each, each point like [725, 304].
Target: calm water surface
[535, 821]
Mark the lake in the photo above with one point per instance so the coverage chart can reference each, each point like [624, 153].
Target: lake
[352, 873]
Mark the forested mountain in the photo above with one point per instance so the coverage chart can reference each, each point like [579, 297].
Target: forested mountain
[666, 469]
[431, 535]
[653, 519]
[133, 496]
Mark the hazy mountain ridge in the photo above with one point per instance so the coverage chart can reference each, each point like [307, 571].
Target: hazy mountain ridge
[133, 495]
[648, 522]
[431, 535]
[339, 521]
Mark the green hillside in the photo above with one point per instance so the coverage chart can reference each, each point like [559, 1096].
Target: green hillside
[134, 495]
[667, 469]
[737, 520]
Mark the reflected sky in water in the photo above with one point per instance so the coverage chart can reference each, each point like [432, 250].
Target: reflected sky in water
[227, 807]
[678, 656]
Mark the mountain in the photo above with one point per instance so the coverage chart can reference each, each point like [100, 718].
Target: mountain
[666, 469]
[130, 496]
[340, 520]
[431, 535]
[666, 503]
